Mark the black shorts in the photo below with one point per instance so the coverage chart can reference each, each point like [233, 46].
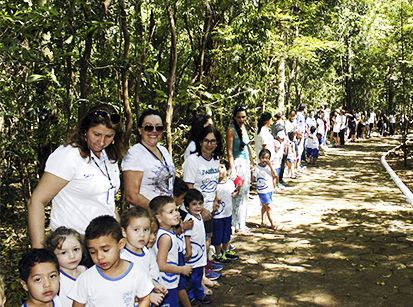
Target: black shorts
[209, 226]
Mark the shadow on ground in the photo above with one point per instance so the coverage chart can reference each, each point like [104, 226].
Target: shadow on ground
[346, 240]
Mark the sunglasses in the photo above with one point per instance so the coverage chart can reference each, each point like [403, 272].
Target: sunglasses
[114, 118]
[150, 128]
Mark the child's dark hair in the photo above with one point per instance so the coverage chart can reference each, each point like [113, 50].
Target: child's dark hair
[193, 194]
[103, 225]
[291, 135]
[225, 163]
[157, 203]
[313, 129]
[33, 257]
[180, 187]
[264, 152]
[57, 237]
[133, 212]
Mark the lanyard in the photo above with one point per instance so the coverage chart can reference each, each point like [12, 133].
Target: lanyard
[107, 175]
[163, 162]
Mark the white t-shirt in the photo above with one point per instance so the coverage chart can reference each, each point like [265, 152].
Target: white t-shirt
[90, 192]
[198, 243]
[265, 183]
[311, 122]
[95, 289]
[66, 284]
[372, 118]
[337, 124]
[320, 126]
[264, 138]
[190, 149]
[312, 141]
[300, 122]
[203, 174]
[181, 243]
[292, 154]
[392, 119]
[290, 126]
[279, 153]
[169, 280]
[343, 122]
[145, 261]
[158, 176]
[224, 191]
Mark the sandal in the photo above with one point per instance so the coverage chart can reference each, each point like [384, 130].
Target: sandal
[207, 291]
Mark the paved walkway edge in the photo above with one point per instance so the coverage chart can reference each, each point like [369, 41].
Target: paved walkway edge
[405, 190]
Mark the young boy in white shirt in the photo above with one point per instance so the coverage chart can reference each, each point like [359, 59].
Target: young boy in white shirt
[112, 281]
[222, 216]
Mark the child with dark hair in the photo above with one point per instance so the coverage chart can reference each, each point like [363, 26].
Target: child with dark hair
[136, 228]
[39, 276]
[221, 237]
[266, 181]
[313, 145]
[292, 154]
[67, 244]
[180, 190]
[166, 247]
[112, 281]
[195, 239]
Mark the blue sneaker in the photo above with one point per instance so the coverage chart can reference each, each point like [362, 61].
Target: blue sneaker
[216, 267]
[212, 275]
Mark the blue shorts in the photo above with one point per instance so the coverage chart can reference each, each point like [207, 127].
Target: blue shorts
[312, 152]
[171, 299]
[291, 160]
[222, 230]
[182, 278]
[278, 171]
[266, 198]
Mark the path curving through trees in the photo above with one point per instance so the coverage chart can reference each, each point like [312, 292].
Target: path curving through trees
[346, 239]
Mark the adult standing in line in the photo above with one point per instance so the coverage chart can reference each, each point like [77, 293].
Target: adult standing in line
[148, 169]
[81, 177]
[371, 121]
[392, 124]
[343, 127]
[239, 159]
[336, 120]
[278, 126]
[264, 138]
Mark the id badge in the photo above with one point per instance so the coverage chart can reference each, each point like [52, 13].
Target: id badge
[170, 182]
[111, 196]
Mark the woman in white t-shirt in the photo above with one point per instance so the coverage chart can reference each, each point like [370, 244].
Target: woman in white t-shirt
[264, 138]
[81, 177]
[148, 169]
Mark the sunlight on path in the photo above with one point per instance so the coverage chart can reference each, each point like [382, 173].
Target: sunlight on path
[346, 239]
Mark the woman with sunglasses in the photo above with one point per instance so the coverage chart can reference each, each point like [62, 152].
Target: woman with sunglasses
[148, 169]
[239, 160]
[81, 177]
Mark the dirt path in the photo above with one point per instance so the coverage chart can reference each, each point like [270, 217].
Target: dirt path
[347, 240]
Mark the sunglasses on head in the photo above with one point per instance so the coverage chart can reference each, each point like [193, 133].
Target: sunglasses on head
[150, 128]
[114, 117]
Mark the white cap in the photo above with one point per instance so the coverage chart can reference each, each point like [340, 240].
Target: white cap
[281, 134]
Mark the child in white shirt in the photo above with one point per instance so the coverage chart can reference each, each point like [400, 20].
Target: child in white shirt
[266, 180]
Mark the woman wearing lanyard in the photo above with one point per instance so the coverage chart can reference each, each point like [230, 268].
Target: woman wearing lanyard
[148, 169]
[81, 177]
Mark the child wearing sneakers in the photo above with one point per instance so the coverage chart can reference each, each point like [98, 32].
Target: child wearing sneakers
[313, 145]
[136, 228]
[196, 254]
[179, 191]
[222, 217]
[166, 247]
[39, 276]
[112, 281]
[266, 180]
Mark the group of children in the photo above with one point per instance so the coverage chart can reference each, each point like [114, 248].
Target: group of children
[152, 257]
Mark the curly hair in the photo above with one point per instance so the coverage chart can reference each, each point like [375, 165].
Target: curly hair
[94, 117]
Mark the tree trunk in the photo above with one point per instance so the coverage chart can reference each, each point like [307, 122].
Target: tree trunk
[140, 55]
[281, 84]
[172, 73]
[124, 72]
